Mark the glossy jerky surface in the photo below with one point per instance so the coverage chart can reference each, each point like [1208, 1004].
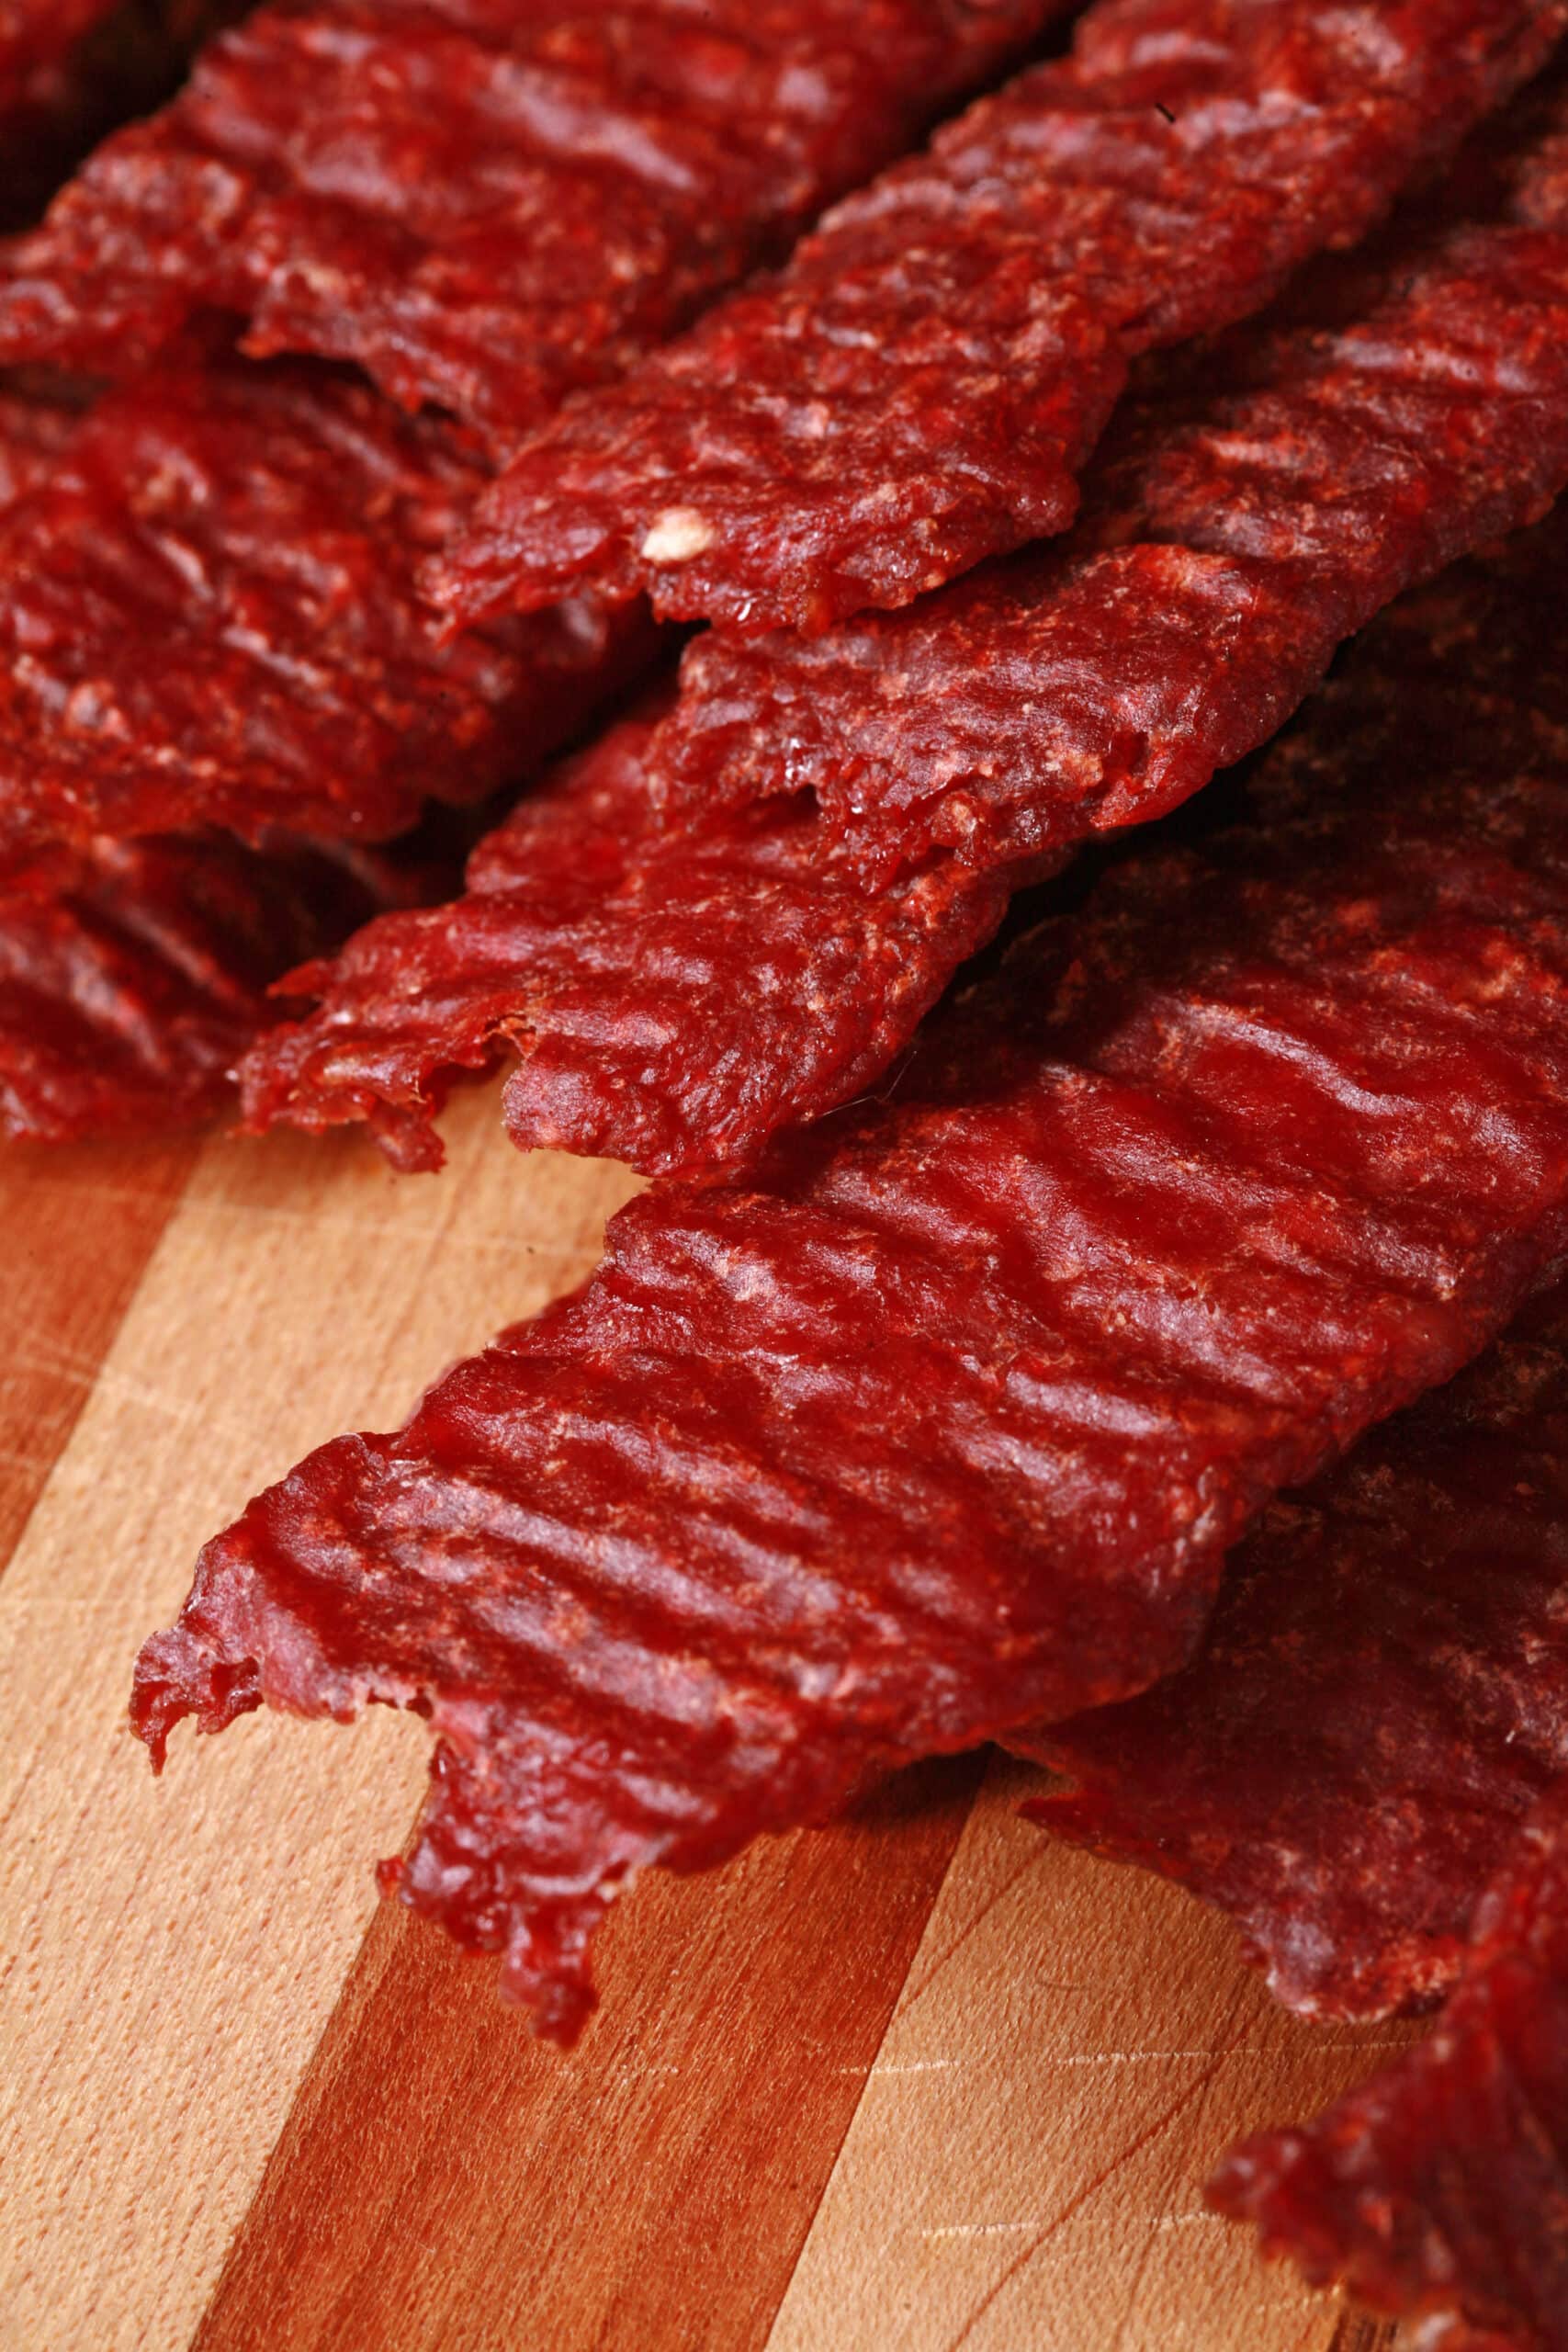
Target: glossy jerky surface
[207, 616]
[921, 385]
[937, 758]
[944, 1423]
[755, 927]
[486, 202]
[1382, 1699]
[133, 975]
[1439, 2190]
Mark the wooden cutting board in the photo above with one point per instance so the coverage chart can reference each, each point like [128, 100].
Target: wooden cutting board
[919, 2082]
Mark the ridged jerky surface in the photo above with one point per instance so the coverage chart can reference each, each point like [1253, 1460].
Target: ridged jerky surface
[486, 202]
[1439, 2190]
[1382, 1699]
[207, 616]
[633, 972]
[945, 1422]
[921, 387]
[133, 975]
[710, 993]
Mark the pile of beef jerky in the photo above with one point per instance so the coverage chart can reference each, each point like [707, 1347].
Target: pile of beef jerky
[1148, 1348]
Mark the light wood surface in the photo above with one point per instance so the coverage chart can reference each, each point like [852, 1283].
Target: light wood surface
[918, 2082]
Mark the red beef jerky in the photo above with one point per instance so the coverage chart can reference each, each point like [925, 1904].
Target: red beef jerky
[71, 70]
[946, 754]
[134, 974]
[37, 37]
[921, 387]
[34, 431]
[1235, 539]
[486, 202]
[208, 616]
[755, 922]
[1382, 1699]
[944, 1423]
[1439, 2190]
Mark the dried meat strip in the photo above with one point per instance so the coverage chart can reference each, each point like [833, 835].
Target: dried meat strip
[72, 70]
[1438, 2190]
[208, 616]
[934, 760]
[921, 387]
[133, 975]
[1381, 1700]
[486, 202]
[754, 927]
[945, 1422]
[35, 431]
[37, 37]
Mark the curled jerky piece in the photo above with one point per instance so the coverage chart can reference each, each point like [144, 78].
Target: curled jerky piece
[944, 1423]
[486, 202]
[756, 923]
[134, 974]
[1234, 539]
[921, 387]
[207, 616]
[1382, 1699]
[943, 756]
[1439, 2190]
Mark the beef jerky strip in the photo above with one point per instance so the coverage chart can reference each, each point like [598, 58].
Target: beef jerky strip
[34, 432]
[71, 70]
[921, 387]
[208, 616]
[912, 771]
[1438, 2190]
[486, 202]
[944, 1423]
[1382, 1699]
[134, 974]
[36, 38]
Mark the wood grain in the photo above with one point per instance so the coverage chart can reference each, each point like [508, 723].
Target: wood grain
[176, 1950]
[1075, 2047]
[919, 2081]
[79, 1226]
[702, 2113]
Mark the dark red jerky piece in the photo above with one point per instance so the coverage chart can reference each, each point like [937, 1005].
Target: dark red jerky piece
[921, 387]
[1440, 2188]
[1235, 539]
[487, 202]
[945, 1422]
[34, 432]
[1381, 1697]
[992, 728]
[36, 38]
[135, 974]
[208, 616]
[576, 892]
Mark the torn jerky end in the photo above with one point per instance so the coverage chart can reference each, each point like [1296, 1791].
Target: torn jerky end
[209, 1676]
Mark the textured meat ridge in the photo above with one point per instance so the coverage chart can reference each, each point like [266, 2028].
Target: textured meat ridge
[1439, 2190]
[1382, 1699]
[944, 1423]
[816, 834]
[415, 185]
[208, 616]
[921, 385]
[133, 975]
